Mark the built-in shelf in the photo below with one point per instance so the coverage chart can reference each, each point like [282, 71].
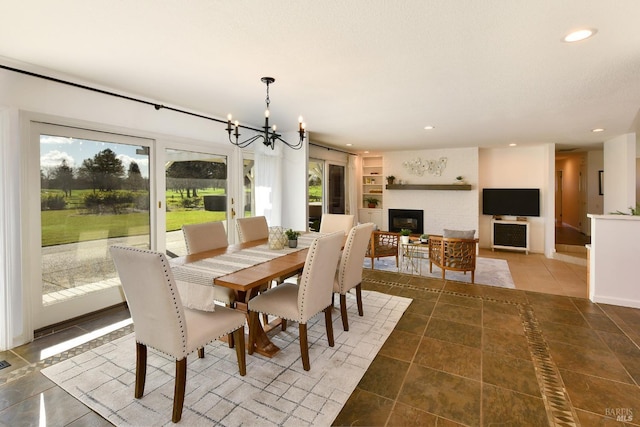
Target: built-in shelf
[459, 187]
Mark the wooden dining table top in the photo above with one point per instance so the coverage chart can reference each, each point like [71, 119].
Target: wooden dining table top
[248, 278]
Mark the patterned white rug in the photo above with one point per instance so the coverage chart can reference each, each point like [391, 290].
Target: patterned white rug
[489, 271]
[275, 391]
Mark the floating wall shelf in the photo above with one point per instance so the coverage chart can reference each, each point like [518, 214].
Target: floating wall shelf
[458, 187]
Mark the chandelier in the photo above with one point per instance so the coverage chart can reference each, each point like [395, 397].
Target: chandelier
[269, 135]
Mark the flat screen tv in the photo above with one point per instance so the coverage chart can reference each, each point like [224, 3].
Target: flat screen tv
[511, 201]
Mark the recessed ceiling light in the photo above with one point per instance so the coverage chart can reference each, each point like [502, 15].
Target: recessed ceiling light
[513, 144]
[576, 36]
[597, 130]
[366, 152]
[349, 145]
[428, 127]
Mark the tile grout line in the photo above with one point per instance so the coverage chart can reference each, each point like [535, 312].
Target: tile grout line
[560, 412]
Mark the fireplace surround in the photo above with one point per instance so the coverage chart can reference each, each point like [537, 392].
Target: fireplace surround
[412, 219]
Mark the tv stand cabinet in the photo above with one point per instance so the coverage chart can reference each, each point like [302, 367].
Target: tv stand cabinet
[510, 234]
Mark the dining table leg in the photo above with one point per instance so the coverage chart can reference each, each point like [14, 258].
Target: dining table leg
[263, 345]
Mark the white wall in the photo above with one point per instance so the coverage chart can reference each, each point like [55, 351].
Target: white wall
[294, 189]
[620, 173]
[638, 179]
[595, 201]
[613, 260]
[518, 167]
[23, 96]
[442, 208]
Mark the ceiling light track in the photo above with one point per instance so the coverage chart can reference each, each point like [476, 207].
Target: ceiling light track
[117, 95]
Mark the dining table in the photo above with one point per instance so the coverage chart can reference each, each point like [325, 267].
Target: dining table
[245, 268]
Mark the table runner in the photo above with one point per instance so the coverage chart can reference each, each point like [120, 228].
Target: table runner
[195, 280]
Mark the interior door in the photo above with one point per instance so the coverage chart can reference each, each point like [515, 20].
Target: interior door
[336, 189]
[558, 194]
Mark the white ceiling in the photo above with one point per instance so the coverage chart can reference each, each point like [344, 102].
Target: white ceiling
[371, 73]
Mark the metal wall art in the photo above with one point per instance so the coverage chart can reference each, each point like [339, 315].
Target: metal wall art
[419, 166]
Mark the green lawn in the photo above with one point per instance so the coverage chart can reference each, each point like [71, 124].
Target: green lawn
[67, 226]
[74, 224]
[315, 193]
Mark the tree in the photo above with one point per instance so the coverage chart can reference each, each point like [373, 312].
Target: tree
[104, 172]
[63, 177]
[134, 177]
[194, 175]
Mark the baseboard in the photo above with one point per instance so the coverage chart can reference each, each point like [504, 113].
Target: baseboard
[601, 299]
[571, 259]
[581, 249]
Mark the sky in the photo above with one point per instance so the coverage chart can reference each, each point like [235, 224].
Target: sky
[53, 149]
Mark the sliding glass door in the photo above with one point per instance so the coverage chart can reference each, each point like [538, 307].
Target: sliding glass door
[93, 193]
[315, 183]
[89, 190]
[196, 191]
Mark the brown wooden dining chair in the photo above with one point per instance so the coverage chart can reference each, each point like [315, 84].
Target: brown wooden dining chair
[301, 302]
[161, 322]
[349, 273]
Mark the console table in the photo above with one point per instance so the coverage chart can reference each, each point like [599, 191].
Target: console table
[510, 234]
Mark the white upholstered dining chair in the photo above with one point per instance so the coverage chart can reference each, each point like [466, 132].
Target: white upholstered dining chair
[349, 273]
[205, 237]
[252, 228]
[330, 223]
[301, 302]
[162, 323]
[256, 228]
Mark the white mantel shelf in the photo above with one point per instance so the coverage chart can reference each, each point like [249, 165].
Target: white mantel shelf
[457, 187]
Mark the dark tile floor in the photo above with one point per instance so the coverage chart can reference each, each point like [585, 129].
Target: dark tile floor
[460, 355]
[484, 356]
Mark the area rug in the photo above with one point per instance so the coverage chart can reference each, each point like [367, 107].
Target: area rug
[489, 271]
[275, 391]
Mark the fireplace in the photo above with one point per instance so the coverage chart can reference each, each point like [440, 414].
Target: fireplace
[412, 219]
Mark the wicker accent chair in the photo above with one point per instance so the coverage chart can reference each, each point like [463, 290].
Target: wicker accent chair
[454, 254]
[383, 244]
